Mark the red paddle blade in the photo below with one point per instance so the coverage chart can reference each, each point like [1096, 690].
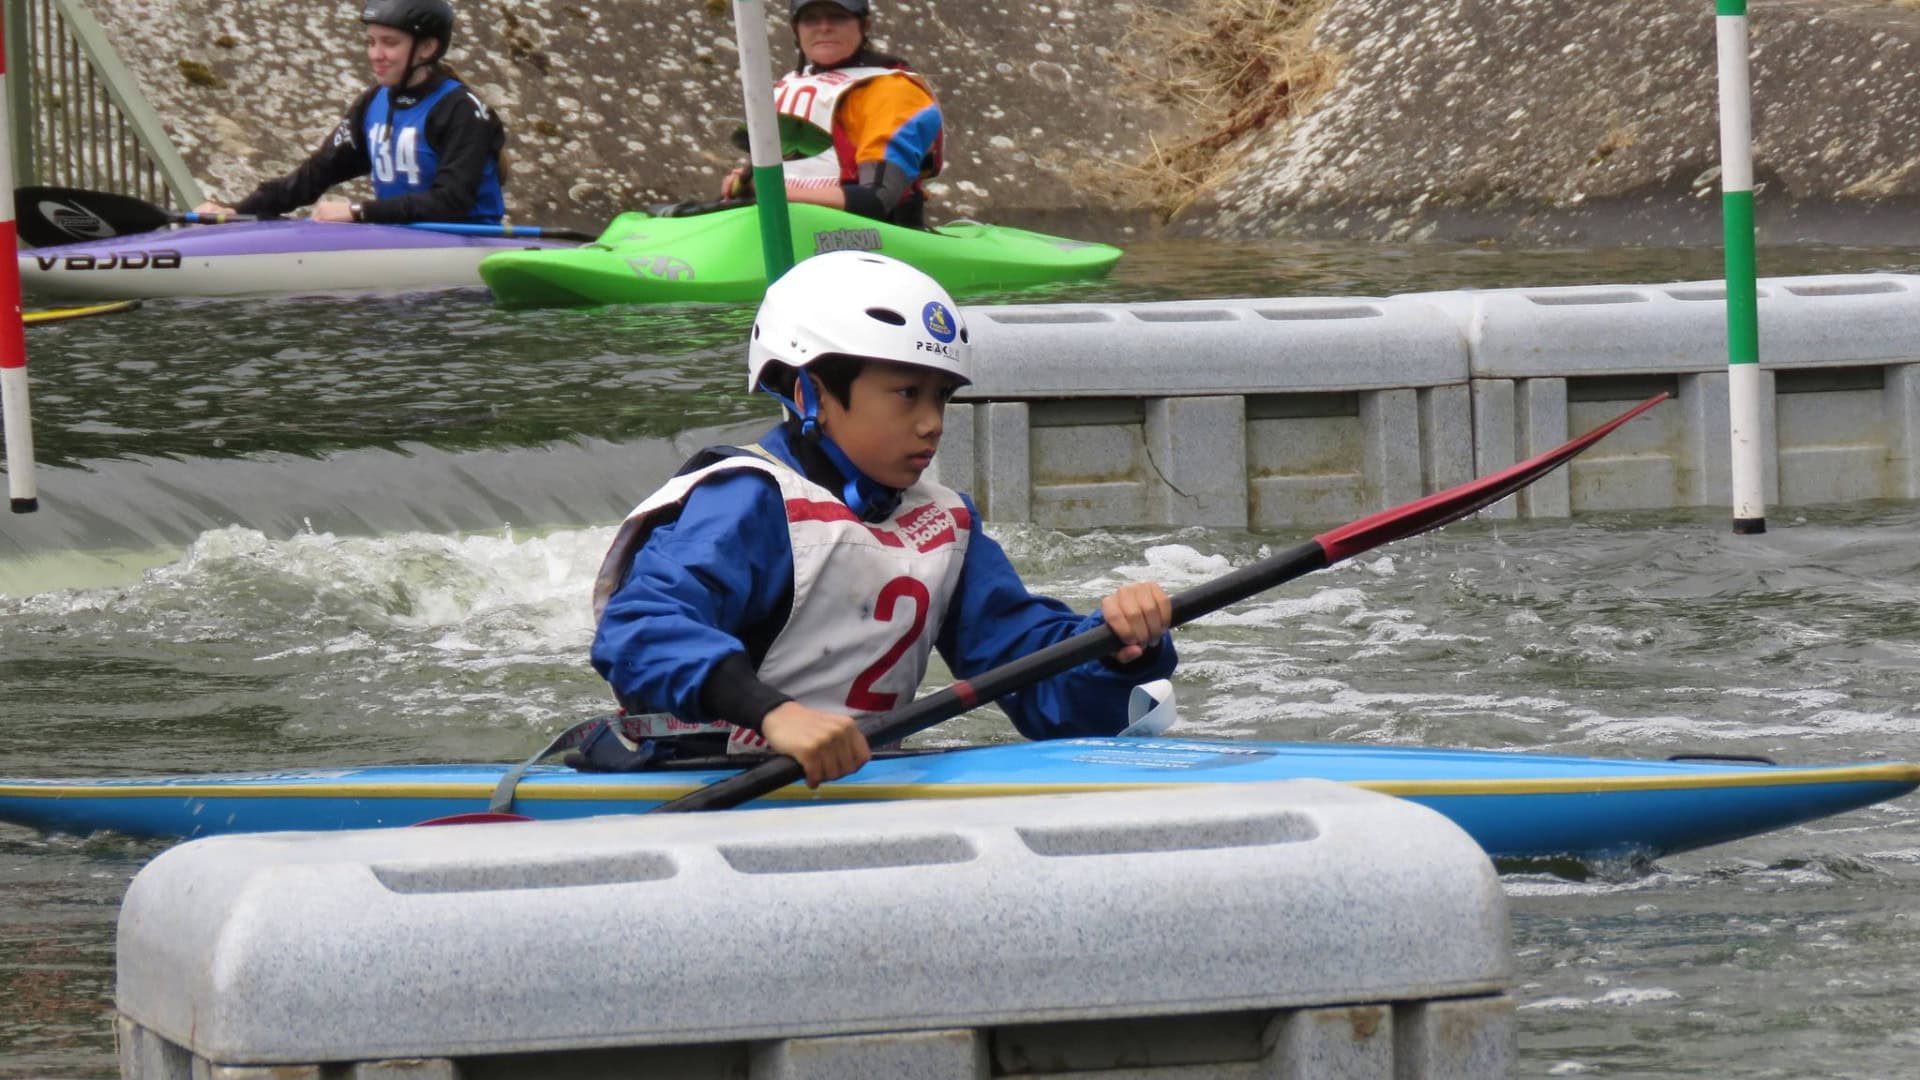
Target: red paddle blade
[1445, 507]
[478, 817]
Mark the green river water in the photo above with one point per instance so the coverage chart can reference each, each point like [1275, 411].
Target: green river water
[354, 530]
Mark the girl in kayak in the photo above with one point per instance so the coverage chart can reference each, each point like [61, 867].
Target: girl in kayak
[774, 592]
[860, 131]
[431, 146]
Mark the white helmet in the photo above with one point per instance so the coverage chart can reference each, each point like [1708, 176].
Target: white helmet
[856, 303]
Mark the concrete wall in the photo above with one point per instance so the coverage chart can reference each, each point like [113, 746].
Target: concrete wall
[1283, 413]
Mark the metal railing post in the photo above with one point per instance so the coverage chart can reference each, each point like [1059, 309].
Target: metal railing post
[19, 60]
[77, 116]
[127, 97]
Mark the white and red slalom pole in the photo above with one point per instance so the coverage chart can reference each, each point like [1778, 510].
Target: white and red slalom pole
[15, 417]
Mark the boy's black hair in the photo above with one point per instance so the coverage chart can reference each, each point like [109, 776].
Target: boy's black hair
[835, 372]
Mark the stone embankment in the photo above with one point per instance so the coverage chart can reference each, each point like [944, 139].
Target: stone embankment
[1454, 119]
[1521, 119]
[616, 103]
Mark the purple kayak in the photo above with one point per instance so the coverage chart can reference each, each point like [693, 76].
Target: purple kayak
[261, 258]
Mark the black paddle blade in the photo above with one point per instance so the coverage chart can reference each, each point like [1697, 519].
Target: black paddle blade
[1407, 519]
[695, 207]
[58, 215]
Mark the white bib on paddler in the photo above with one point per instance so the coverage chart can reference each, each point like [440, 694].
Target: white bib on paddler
[868, 598]
[806, 105]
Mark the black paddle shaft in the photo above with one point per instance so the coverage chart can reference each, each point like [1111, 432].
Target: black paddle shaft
[1407, 519]
[967, 694]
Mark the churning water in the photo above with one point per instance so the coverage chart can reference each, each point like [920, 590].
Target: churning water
[331, 531]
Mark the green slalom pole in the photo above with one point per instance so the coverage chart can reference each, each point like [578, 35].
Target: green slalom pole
[763, 137]
[1744, 384]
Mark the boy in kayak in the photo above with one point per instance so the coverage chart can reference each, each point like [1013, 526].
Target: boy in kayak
[860, 131]
[431, 145]
[775, 592]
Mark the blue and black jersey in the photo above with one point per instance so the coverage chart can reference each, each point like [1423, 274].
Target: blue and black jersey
[432, 150]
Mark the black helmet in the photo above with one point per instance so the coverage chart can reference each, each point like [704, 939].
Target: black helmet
[858, 7]
[421, 18]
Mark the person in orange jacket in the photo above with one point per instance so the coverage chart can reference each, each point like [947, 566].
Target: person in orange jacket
[859, 131]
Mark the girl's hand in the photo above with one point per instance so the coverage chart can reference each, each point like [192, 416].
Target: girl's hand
[333, 208]
[827, 745]
[211, 207]
[1139, 614]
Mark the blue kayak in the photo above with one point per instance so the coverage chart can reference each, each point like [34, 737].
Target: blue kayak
[1515, 805]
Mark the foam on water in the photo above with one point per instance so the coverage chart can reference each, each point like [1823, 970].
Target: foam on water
[1619, 998]
[368, 634]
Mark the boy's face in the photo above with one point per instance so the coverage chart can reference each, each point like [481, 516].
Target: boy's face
[892, 422]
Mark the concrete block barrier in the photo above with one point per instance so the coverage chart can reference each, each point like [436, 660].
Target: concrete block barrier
[1293, 929]
[1304, 412]
[1835, 351]
[1270, 413]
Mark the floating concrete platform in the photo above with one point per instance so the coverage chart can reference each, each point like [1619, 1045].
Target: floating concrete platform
[1299, 412]
[1298, 929]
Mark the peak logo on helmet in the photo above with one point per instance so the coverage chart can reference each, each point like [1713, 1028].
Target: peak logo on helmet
[859, 304]
[939, 321]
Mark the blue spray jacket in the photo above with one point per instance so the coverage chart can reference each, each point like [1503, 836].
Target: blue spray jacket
[717, 581]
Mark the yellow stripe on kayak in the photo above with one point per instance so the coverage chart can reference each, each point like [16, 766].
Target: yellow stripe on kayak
[54, 315]
[533, 790]
[1570, 785]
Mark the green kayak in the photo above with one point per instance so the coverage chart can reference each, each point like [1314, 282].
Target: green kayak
[715, 257]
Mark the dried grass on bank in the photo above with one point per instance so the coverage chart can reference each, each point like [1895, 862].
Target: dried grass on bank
[1228, 67]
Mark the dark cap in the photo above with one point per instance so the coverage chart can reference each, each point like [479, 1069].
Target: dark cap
[857, 7]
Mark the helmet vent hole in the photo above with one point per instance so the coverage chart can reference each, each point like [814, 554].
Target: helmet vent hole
[888, 316]
[963, 335]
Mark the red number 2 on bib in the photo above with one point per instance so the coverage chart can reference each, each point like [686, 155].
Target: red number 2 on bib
[862, 697]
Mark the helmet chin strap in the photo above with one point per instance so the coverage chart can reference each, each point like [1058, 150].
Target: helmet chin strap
[865, 496]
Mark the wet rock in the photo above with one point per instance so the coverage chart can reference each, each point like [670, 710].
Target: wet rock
[1523, 119]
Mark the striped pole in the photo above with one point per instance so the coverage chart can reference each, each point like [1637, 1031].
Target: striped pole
[1743, 303]
[22, 496]
[763, 137]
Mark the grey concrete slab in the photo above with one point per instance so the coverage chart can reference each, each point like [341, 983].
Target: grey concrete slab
[1211, 347]
[957, 1054]
[498, 939]
[1006, 463]
[1594, 330]
[1495, 436]
[1198, 449]
[1351, 1042]
[1903, 420]
[1541, 409]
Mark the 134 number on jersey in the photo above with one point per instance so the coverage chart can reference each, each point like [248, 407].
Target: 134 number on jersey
[393, 156]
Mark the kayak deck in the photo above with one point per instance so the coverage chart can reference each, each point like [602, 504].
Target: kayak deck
[260, 258]
[1515, 805]
[716, 258]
